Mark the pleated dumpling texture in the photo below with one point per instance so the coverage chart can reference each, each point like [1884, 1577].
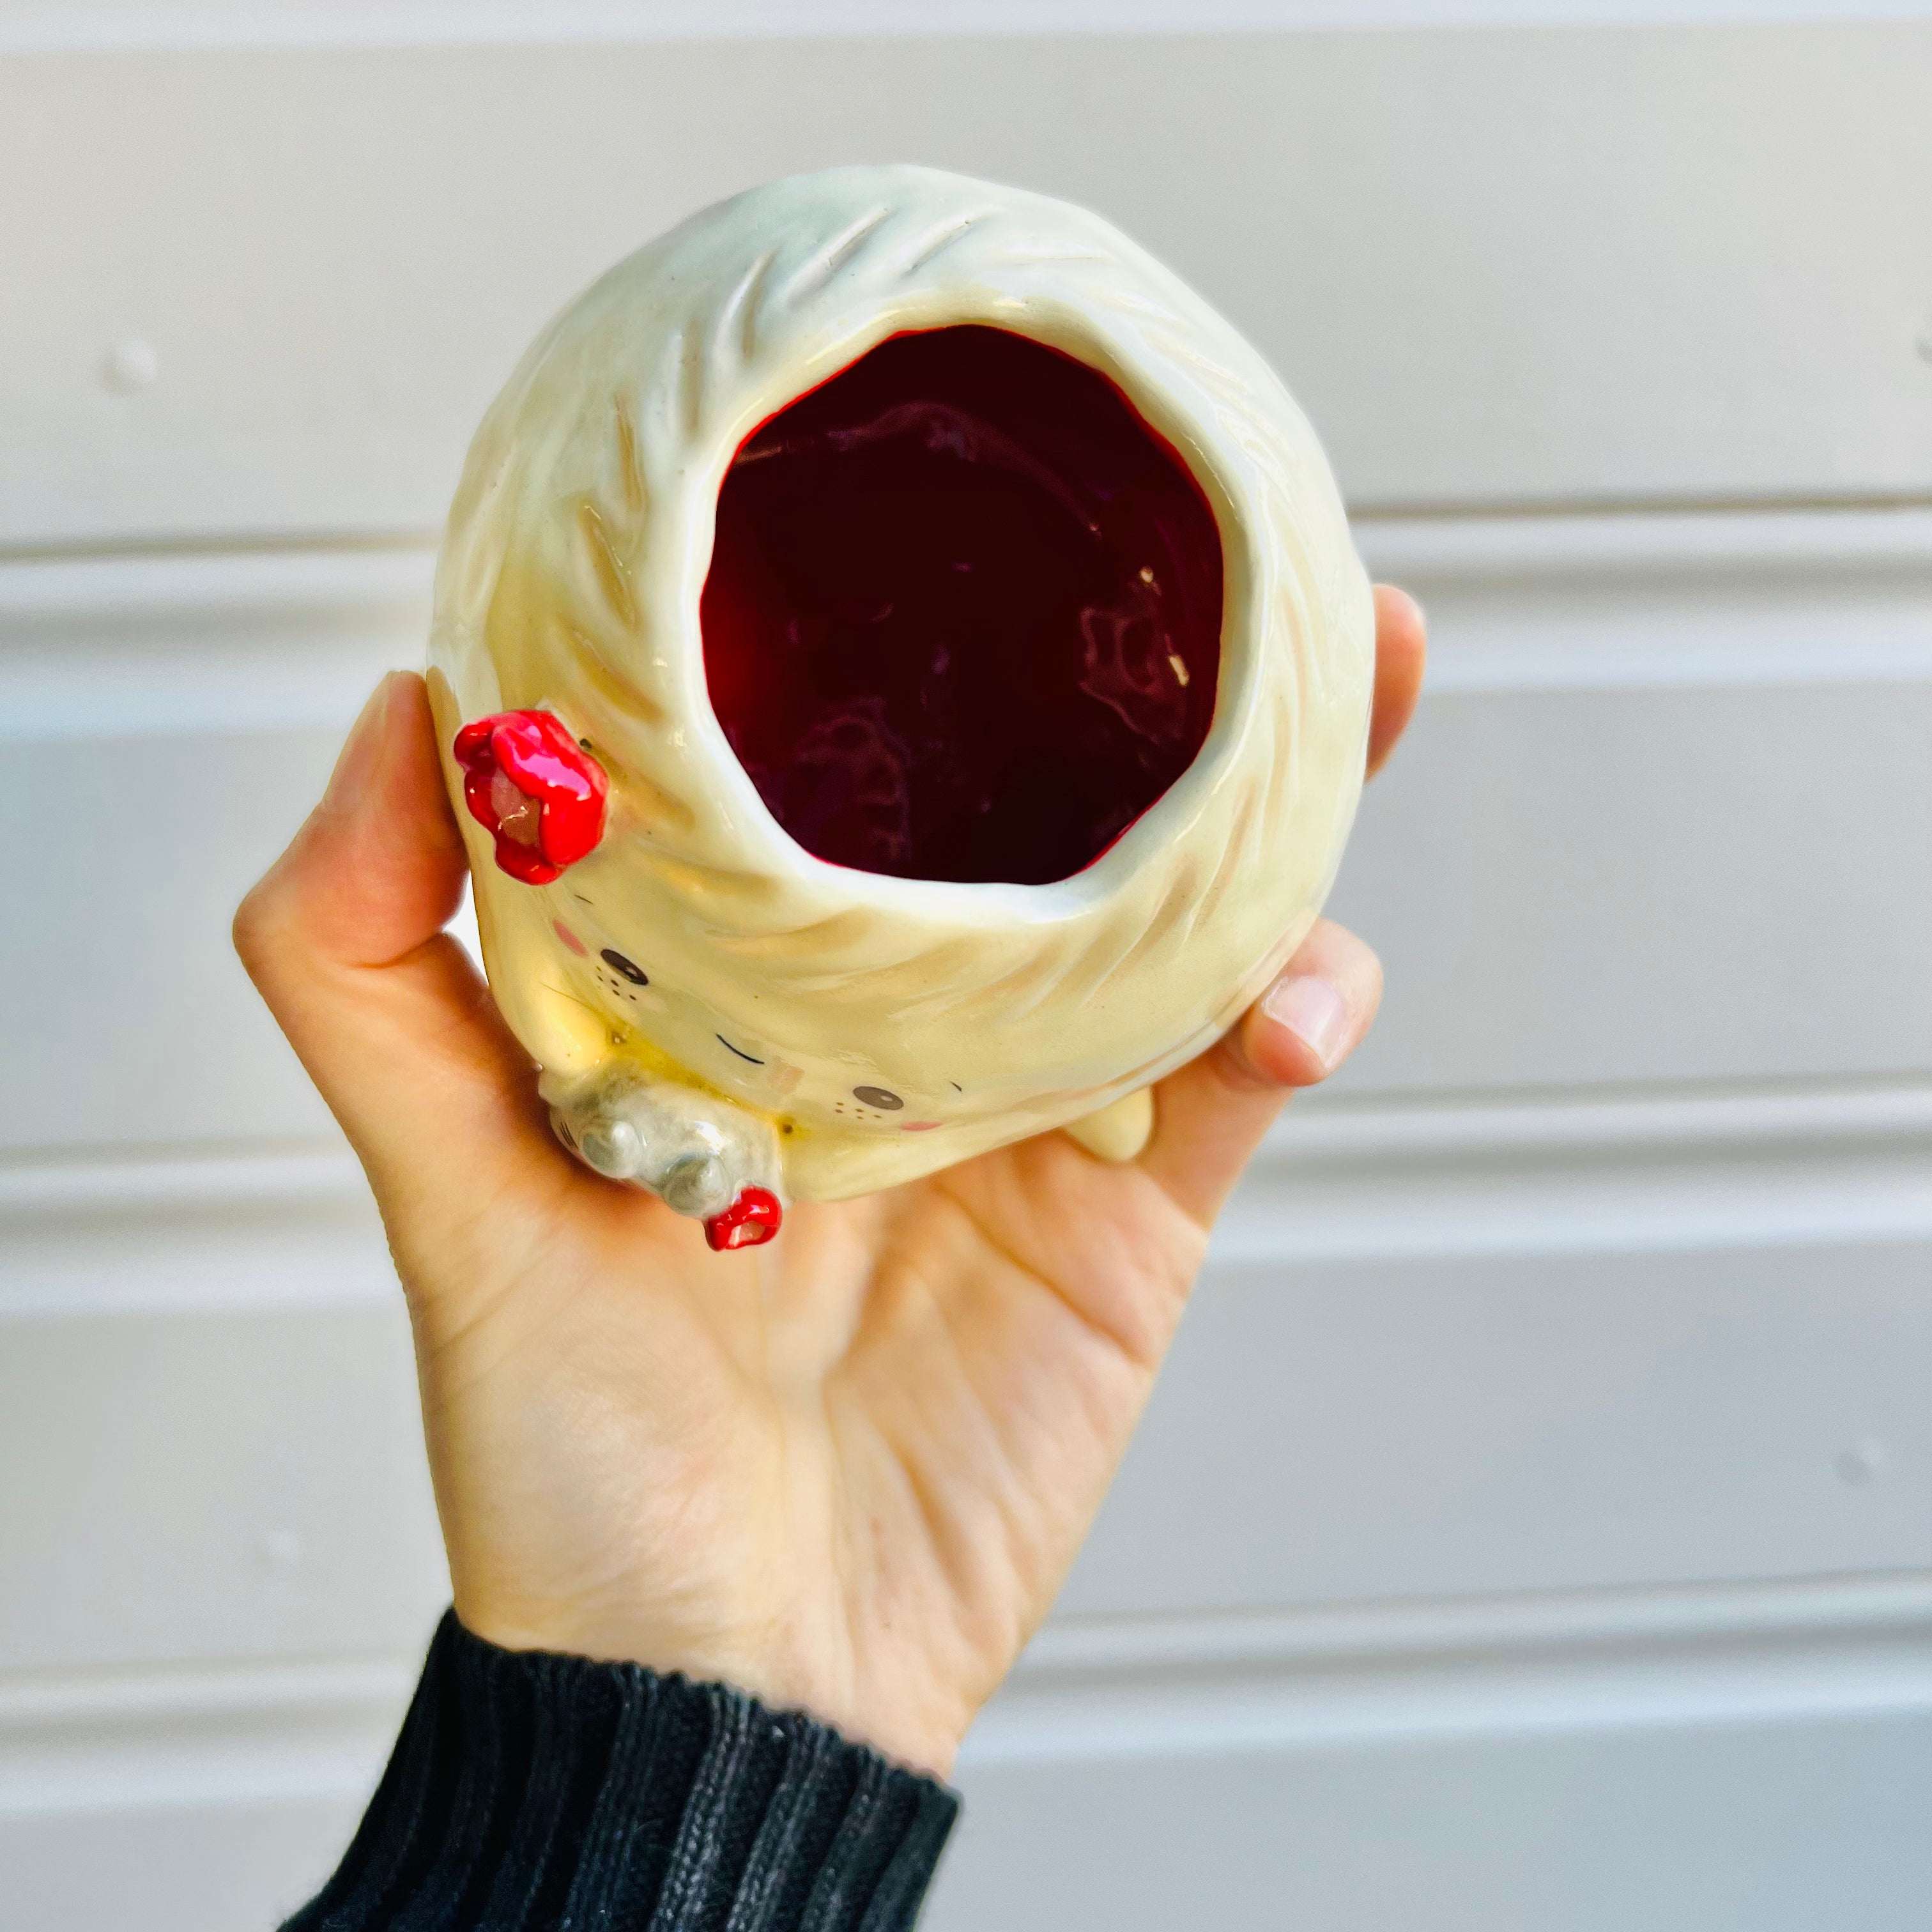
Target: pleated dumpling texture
[878, 1027]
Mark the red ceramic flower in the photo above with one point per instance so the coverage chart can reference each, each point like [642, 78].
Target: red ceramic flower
[529, 785]
[753, 1217]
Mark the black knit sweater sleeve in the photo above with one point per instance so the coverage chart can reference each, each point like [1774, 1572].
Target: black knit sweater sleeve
[530, 1792]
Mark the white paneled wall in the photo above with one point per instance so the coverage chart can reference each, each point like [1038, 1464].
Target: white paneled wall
[1535, 1528]
[1547, 267]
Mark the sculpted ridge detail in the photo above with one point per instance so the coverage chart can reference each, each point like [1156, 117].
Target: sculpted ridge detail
[992, 987]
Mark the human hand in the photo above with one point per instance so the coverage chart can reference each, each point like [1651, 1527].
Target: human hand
[847, 1470]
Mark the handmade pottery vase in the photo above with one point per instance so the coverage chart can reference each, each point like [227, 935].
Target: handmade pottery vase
[904, 675]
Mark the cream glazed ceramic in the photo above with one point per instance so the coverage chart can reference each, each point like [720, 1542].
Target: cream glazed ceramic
[718, 1014]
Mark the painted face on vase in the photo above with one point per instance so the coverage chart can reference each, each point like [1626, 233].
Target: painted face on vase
[905, 675]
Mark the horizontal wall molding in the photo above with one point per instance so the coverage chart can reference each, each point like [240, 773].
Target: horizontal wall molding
[222, 1181]
[38, 25]
[188, 640]
[127, 1740]
[1088, 1689]
[1825, 545]
[1674, 1655]
[1664, 601]
[1829, 1609]
[1818, 1115]
[1557, 1173]
[1589, 1173]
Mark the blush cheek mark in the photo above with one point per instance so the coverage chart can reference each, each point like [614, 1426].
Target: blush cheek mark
[569, 938]
[919, 1126]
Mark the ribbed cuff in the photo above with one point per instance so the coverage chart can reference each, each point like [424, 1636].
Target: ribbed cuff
[529, 1792]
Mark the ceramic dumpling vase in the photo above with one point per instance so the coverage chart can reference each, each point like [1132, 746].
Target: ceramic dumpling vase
[904, 676]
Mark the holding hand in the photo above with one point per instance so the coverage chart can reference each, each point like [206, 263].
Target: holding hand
[847, 1470]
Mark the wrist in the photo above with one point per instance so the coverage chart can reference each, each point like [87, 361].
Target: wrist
[541, 1782]
[905, 1714]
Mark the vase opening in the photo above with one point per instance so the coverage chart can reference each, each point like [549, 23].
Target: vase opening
[963, 618]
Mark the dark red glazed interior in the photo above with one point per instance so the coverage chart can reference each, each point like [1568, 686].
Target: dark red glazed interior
[964, 615]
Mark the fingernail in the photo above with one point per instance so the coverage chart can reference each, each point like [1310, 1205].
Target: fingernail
[348, 782]
[1312, 1010]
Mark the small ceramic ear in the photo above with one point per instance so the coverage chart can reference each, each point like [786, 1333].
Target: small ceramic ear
[534, 790]
[1119, 1132]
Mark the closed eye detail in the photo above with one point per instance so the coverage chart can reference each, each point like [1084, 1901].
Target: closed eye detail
[738, 1050]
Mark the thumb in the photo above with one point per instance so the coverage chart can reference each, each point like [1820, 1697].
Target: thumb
[343, 937]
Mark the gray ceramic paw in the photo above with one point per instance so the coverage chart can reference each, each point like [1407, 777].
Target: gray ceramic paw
[696, 1153]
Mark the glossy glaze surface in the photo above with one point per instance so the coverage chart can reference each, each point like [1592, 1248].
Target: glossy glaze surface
[963, 616]
[715, 1009]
